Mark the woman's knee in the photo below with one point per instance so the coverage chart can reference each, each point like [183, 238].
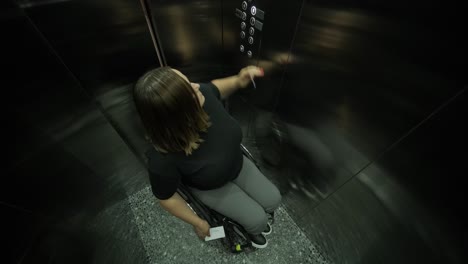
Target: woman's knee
[274, 201]
[257, 222]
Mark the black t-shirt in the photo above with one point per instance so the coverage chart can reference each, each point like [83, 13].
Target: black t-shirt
[217, 160]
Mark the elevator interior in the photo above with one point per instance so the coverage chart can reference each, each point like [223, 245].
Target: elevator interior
[359, 120]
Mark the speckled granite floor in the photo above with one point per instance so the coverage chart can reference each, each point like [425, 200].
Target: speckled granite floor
[167, 239]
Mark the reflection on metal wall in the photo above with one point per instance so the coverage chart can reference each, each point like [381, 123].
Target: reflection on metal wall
[350, 84]
[191, 36]
[357, 81]
[418, 180]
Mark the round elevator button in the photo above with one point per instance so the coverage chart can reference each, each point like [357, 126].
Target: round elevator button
[253, 10]
[243, 25]
[244, 5]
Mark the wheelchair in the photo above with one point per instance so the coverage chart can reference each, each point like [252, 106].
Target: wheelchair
[236, 239]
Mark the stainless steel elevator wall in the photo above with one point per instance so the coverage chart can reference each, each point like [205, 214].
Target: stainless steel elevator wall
[67, 160]
[190, 34]
[361, 83]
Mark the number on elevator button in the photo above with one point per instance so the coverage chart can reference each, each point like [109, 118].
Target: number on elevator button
[249, 54]
[244, 5]
[252, 21]
[243, 25]
[251, 40]
[241, 48]
[242, 34]
[251, 31]
[244, 16]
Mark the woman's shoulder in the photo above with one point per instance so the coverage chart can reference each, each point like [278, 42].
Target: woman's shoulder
[157, 159]
[209, 87]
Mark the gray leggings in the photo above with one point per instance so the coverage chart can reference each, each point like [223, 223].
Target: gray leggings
[246, 199]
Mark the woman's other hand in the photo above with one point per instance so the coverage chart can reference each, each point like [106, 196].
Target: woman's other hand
[202, 229]
[247, 74]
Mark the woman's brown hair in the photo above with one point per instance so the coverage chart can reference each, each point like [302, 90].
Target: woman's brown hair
[170, 111]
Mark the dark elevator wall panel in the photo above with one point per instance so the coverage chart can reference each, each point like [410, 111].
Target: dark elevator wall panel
[42, 93]
[104, 43]
[190, 36]
[50, 113]
[361, 79]
[66, 164]
[358, 81]
[277, 37]
[18, 229]
[421, 181]
[107, 52]
[406, 207]
[119, 106]
[351, 226]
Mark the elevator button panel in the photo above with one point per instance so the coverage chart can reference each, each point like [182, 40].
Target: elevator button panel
[251, 16]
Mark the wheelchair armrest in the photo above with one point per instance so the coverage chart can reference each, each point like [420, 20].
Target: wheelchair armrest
[247, 153]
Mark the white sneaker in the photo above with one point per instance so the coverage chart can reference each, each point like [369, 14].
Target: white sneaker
[267, 230]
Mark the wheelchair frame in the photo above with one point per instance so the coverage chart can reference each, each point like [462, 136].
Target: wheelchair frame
[237, 239]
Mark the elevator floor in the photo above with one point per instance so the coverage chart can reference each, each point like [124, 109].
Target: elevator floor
[166, 239]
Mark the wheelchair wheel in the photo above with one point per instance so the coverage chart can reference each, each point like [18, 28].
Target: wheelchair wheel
[237, 238]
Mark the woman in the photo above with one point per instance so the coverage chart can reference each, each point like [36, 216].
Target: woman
[196, 142]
